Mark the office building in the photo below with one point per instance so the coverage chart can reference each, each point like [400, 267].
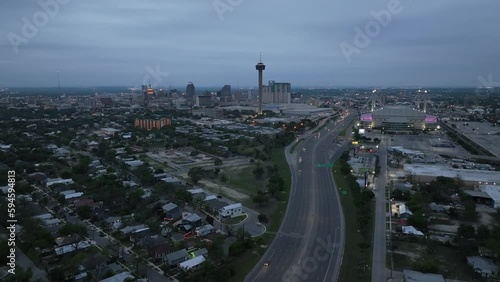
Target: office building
[190, 90]
[203, 101]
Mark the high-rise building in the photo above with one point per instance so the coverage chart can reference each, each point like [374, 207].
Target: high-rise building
[147, 92]
[277, 93]
[190, 90]
[225, 91]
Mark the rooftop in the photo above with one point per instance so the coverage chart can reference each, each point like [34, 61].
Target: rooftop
[415, 276]
[192, 262]
[232, 206]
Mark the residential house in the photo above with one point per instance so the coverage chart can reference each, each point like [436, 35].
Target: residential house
[138, 234]
[51, 222]
[172, 212]
[66, 240]
[192, 264]
[483, 266]
[120, 277]
[199, 252]
[114, 222]
[204, 230]
[72, 247]
[176, 257]
[190, 222]
[233, 210]
[130, 229]
[214, 205]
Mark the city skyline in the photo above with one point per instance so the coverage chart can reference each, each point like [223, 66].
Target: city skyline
[125, 43]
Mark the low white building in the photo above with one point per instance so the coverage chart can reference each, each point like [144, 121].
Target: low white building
[192, 263]
[53, 181]
[232, 210]
[73, 195]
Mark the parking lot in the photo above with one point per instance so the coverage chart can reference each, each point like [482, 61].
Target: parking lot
[485, 134]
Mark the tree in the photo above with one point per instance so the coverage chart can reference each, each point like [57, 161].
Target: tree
[196, 174]
[470, 209]
[194, 153]
[217, 162]
[65, 174]
[84, 212]
[258, 172]
[482, 233]
[260, 198]
[465, 232]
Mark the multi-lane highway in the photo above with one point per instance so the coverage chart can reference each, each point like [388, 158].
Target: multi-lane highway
[309, 244]
[379, 239]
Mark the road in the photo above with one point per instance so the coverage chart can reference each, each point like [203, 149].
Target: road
[379, 229]
[309, 243]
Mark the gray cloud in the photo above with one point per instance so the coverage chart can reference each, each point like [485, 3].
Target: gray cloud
[430, 43]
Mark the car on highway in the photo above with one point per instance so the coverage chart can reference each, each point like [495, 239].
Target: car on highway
[266, 263]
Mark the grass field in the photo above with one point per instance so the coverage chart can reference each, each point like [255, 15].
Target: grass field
[157, 165]
[356, 263]
[295, 146]
[242, 180]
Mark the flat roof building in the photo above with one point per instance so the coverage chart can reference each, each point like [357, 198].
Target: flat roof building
[470, 177]
[493, 192]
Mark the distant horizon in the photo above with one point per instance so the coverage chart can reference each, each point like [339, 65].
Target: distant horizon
[247, 87]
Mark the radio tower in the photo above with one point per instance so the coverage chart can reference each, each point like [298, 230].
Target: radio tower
[58, 81]
[260, 67]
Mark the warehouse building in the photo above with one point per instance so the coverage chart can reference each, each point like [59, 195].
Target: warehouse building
[422, 173]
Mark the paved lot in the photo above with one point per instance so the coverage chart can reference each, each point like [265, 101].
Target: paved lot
[483, 133]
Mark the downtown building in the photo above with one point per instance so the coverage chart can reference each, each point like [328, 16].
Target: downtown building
[190, 90]
[277, 93]
[203, 101]
[150, 124]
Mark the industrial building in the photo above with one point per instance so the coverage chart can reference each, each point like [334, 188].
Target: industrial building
[493, 192]
[398, 119]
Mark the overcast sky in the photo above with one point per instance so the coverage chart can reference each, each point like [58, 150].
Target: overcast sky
[123, 42]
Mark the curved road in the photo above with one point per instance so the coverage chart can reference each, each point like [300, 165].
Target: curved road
[309, 244]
